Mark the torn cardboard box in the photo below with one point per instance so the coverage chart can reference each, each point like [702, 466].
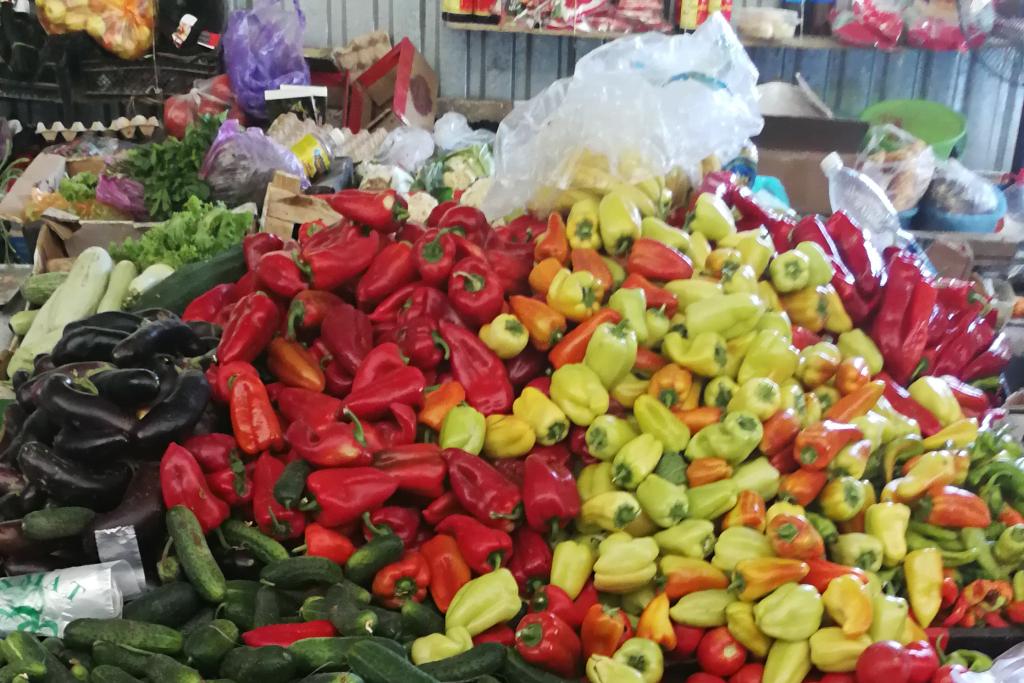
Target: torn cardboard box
[285, 207]
[399, 89]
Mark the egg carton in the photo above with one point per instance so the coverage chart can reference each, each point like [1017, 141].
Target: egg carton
[123, 126]
[362, 146]
[362, 52]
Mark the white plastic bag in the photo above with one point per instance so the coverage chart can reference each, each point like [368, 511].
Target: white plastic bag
[956, 189]
[406, 147]
[901, 164]
[452, 132]
[635, 108]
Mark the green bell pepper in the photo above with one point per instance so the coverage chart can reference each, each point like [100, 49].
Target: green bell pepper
[693, 538]
[658, 325]
[719, 391]
[889, 617]
[635, 461]
[857, 343]
[858, 550]
[732, 439]
[704, 355]
[579, 392]
[611, 352]
[740, 543]
[771, 356]
[793, 611]
[654, 418]
[735, 351]
[755, 246]
[819, 269]
[664, 502]
[711, 501]
[788, 662]
[790, 271]
[703, 609]
[759, 476]
[607, 434]
[643, 655]
[657, 229]
[759, 396]
[632, 305]
[463, 427]
[777, 321]
[693, 290]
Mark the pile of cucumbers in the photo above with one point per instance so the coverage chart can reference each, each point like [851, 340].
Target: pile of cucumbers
[189, 630]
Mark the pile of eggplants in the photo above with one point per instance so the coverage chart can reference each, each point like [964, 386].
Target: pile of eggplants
[90, 424]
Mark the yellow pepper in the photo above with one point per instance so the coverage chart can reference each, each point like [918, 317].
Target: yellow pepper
[730, 315]
[820, 267]
[656, 229]
[837, 320]
[693, 290]
[704, 609]
[935, 395]
[848, 602]
[698, 251]
[610, 511]
[463, 427]
[771, 356]
[790, 271]
[842, 498]
[735, 351]
[777, 321]
[571, 564]
[484, 602]
[624, 563]
[758, 395]
[711, 217]
[872, 427]
[857, 343]
[664, 502]
[691, 538]
[833, 652]
[576, 295]
[619, 222]
[631, 303]
[705, 354]
[755, 247]
[634, 602]
[807, 307]
[653, 418]
[658, 326]
[636, 460]
[643, 655]
[739, 619]
[889, 617]
[769, 296]
[607, 434]
[923, 572]
[540, 412]
[959, 434]
[888, 523]
[616, 269]
[508, 437]
[818, 363]
[601, 669]
[791, 393]
[670, 385]
[627, 391]
[741, 280]
[783, 507]
[505, 335]
[578, 392]
[827, 396]
[719, 391]
[936, 468]
[582, 226]
[809, 408]
[644, 202]
[594, 480]
[789, 661]
[438, 646]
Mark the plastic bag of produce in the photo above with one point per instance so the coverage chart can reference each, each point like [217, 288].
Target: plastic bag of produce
[124, 27]
[956, 189]
[901, 164]
[263, 51]
[123, 194]
[242, 161]
[636, 108]
[210, 96]
[869, 23]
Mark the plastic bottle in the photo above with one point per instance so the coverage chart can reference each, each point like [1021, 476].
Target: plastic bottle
[860, 198]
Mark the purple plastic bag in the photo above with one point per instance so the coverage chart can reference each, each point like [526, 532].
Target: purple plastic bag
[242, 162]
[124, 194]
[263, 51]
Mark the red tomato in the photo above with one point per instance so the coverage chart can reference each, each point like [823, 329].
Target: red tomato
[177, 116]
[837, 678]
[687, 640]
[883, 661]
[704, 678]
[945, 673]
[220, 88]
[748, 673]
[719, 653]
[923, 661]
[208, 105]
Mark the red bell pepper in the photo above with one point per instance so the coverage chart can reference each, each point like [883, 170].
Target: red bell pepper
[550, 497]
[400, 300]
[482, 490]
[283, 635]
[434, 254]
[395, 520]
[954, 507]
[903, 403]
[393, 267]
[923, 661]
[418, 468]
[310, 228]
[256, 245]
[232, 484]
[338, 255]
[324, 542]
[484, 549]
[656, 296]
[812, 229]
[420, 342]
[859, 255]
[308, 310]
[381, 361]
[510, 261]
[182, 483]
[443, 506]
[252, 325]
[315, 410]
[348, 335]
[604, 630]
[803, 337]
[448, 570]
[381, 211]
[273, 518]
[858, 307]
[338, 444]
[478, 370]
[253, 419]
[914, 331]
[400, 430]
[430, 302]
[949, 673]
[294, 366]
[658, 261]
[404, 385]
[887, 330]
[973, 401]
[281, 273]
[546, 641]
[344, 494]
[990, 362]
[212, 451]
[207, 307]
[822, 572]
[406, 579]
[502, 634]
[551, 598]
[471, 221]
[531, 560]
[438, 212]
[528, 365]
[474, 293]
[587, 598]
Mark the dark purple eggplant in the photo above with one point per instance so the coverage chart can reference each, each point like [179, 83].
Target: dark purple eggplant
[11, 480]
[14, 420]
[163, 336]
[19, 378]
[37, 427]
[42, 363]
[175, 417]
[237, 563]
[142, 507]
[90, 446]
[205, 329]
[28, 393]
[87, 343]
[64, 401]
[129, 388]
[14, 542]
[108, 320]
[156, 314]
[33, 497]
[71, 483]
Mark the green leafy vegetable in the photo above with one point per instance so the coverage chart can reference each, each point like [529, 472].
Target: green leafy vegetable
[196, 233]
[80, 188]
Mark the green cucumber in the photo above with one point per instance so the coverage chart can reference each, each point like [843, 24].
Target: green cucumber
[419, 619]
[132, 660]
[117, 288]
[56, 672]
[194, 554]
[240, 602]
[481, 660]
[331, 654]
[164, 669]
[207, 646]
[54, 523]
[378, 664]
[291, 485]
[270, 663]
[315, 608]
[352, 619]
[24, 652]
[380, 551]
[296, 572]
[84, 633]
[267, 608]
[389, 624]
[177, 291]
[105, 673]
[264, 548]
[39, 288]
[336, 677]
[346, 590]
[170, 605]
[516, 669]
[201, 618]
[21, 322]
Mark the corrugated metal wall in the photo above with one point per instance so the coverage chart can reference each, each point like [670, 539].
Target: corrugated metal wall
[513, 66]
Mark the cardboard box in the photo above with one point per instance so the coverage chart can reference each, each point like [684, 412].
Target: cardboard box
[285, 207]
[400, 89]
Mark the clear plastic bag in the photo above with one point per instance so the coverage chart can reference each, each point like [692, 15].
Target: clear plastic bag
[210, 96]
[452, 132]
[636, 108]
[959, 190]
[875, 24]
[242, 162]
[900, 163]
[937, 26]
[124, 27]
[406, 147]
[263, 51]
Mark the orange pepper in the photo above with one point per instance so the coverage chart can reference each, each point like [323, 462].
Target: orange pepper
[649, 362]
[852, 374]
[448, 570]
[554, 243]
[1009, 516]
[707, 470]
[545, 325]
[794, 537]
[542, 275]
[591, 261]
[779, 431]
[856, 403]
[670, 385]
[759, 576]
[802, 486]
[292, 364]
[656, 296]
[818, 445]
[573, 346]
[684, 575]
[856, 525]
[699, 418]
[655, 624]
[604, 630]
[437, 403]
[749, 512]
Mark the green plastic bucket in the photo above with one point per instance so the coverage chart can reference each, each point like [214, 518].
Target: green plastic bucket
[935, 123]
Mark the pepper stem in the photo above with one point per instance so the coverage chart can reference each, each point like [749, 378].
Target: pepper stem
[441, 344]
[473, 282]
[530, 635]
[382, 530]
[357, 427]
